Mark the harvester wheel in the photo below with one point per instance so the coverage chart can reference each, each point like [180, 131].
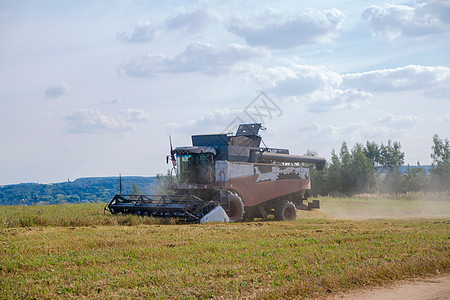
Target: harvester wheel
[285, 211]
[236, 211]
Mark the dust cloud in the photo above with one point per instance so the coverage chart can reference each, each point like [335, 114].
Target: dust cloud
[373, 208]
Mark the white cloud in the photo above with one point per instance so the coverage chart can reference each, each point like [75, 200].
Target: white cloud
[185, 22]
[400, 122]
[315, 129]
[445, 119]
[191, 22]
[135, 115]
[56, 90]
[314, 84]
[336, 99]
[324, 90]
[351, 132]
[93, 121]
[410, 77]
[368, 132]
[296, 79]
[141, 32]
[197, 57]
[276, 30]
[392, 21]
[217, 121]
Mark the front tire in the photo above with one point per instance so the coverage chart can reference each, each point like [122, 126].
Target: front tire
[236, 209]
[286, 211]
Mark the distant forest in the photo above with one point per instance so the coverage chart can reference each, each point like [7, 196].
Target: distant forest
[92, 189]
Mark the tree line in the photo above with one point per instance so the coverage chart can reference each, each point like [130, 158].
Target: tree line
[90, 189]
[373, 168]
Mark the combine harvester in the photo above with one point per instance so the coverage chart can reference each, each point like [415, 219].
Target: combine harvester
[224, 177]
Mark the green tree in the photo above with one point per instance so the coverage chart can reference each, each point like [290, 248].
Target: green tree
[415, 179]
[351, 172]
[362, 171]
[163, 183]
[372, 151]
[334, 180]
[318, 178]
[345, 171]
[390, 155]
[136, 191]
[391, 158]
[393, 182]
[60, 199]
[73, 199]
[440, 167]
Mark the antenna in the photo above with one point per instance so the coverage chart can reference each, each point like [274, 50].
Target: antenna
[172, 156]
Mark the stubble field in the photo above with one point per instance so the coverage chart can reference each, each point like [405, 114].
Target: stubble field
[75, 251]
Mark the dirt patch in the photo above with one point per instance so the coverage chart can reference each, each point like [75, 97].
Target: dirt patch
[430, 288]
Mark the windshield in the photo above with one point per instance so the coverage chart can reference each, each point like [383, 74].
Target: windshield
[195, 168]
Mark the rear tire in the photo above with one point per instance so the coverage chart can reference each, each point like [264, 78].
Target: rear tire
[236, 210]
[286, 211]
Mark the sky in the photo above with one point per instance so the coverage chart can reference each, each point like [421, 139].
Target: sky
[95, 88]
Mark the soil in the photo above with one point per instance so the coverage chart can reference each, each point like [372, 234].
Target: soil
[429, 288]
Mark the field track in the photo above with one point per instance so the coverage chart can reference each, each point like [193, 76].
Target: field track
[427, 288]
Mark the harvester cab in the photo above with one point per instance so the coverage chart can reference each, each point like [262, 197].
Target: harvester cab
[225, 177]
[195, 165]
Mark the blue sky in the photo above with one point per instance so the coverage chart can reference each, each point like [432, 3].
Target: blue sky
[94, 88]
